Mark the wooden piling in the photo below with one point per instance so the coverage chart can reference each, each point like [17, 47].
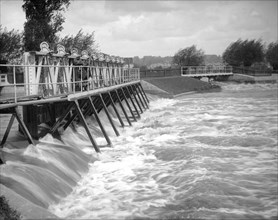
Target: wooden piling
[7, 130]
[61, 118]
[129, 95]
[115, 109]
[127, 103]
[86, 126]
[23, 126]
[122, 107]
[142, 95]
[135, 98]
[108, 115]
[139, 85]
[140, 99]
[99, 121]
[77, 106]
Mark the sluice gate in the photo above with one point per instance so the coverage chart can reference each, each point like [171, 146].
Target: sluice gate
[61, 88]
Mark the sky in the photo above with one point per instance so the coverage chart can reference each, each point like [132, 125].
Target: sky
[160, 28]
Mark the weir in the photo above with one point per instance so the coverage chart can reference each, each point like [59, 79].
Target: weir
[61, 88]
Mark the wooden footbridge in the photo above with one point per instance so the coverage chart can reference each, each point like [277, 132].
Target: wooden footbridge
[60, 88]
[206, 71]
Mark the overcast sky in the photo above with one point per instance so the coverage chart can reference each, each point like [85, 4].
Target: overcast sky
[161, 28]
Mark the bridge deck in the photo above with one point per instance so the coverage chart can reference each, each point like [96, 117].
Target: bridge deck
[36, 100]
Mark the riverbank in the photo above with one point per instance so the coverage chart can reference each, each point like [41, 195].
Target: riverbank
[171, 87]
[242, 78]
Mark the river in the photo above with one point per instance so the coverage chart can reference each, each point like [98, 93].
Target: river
[199, 156]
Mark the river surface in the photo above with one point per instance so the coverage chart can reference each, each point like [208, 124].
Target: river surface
[200, 156]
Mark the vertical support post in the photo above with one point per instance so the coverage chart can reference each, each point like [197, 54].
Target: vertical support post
[133, 116]
[108, 115]
[132, 102]
[72, 117]
[15, 92]
[138, 87]
[98, 121]
[122, 107]
[7, 130]
[115, 109]
[86, 126]
[139, 97]
[23, 127]
[143, 92]
[60, 120]
[52, 113]
[132, 91]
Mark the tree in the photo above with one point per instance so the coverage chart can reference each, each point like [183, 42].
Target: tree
[244, 53]
[10, 45]
[272, 55]
[80, 41]
[189, 56]
[44, 20]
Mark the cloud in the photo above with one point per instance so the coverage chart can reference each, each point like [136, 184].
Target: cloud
[162, 27]
[12, 15]
[138, 7]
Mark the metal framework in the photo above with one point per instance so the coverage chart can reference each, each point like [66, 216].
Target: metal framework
[50, 74]
[72, 87]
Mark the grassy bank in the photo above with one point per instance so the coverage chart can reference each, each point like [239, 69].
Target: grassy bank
[172, 86]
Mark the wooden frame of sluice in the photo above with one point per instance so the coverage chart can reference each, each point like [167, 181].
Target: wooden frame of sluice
[108, 83]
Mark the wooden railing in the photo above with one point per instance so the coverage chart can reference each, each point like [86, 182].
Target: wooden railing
[47, 73]
[203, 70]
[80, 79]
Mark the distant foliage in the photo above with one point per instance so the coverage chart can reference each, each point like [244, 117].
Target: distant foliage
[272, 55]
[189, 56]
[212, 59]
[44, 20]
[80, 41]
[244, 53]
[6, 212]
[146, 62]
[10, 46]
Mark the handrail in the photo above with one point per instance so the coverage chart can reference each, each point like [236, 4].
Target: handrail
[80, 78]
[188, 70]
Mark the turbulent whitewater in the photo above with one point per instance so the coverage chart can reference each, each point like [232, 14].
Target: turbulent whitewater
[204, 156]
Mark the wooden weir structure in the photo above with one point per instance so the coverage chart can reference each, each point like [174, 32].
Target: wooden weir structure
[61, 88]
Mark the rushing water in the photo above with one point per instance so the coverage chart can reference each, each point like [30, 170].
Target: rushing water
[201, 156]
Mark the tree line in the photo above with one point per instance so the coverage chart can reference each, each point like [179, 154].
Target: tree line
[241, 53]
[44, 21]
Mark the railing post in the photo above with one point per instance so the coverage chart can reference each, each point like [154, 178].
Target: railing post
[15, 90]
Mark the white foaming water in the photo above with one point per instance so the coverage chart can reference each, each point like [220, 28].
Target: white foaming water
[205, 156]
[209, 156]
